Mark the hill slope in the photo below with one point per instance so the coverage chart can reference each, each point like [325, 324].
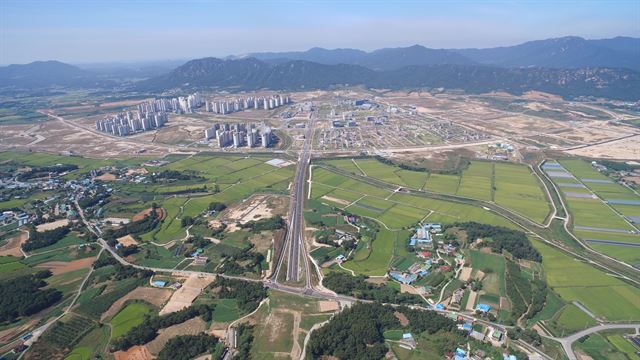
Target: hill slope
[252, 74]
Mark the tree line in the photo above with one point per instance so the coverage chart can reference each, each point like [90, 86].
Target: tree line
[148, 329]
[357, 287]
[24, 296]
[186, 347]
[248, 294]
[500, 238]
[42, 239]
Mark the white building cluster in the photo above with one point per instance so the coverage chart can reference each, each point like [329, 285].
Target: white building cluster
[240, 104]
[178, 105]
[128, 122]
[239, 135]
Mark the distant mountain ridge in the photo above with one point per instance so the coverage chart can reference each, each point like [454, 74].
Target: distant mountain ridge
[253, 74]
[568, 66]
[45, 74]
[564, 52]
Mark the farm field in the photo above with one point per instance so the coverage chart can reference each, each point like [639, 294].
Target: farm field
[594, 220]
[571, 319]
[130, 316]
[376, 263]
[513, 186]
[602, 294]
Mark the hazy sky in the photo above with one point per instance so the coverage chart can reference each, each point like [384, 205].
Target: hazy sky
[130, 30]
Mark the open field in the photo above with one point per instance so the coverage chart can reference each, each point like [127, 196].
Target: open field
[571, 319]
[130, 316]
[595, 220]
[602, 294]
[513, 186]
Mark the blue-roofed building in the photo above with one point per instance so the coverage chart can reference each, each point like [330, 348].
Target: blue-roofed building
[422, 238]
[467, 327]
[407, 336]
[159, 283]
[440, 307]
[403, 278]
[483, 308]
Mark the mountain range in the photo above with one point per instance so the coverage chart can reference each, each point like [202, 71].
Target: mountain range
[564, 52]
[568, 66]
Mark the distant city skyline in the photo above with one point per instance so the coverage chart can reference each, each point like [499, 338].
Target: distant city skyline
[133, 31]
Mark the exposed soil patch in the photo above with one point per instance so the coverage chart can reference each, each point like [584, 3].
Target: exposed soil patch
[335, 200]
[62, 267]
[52, 225]
[12, 247]
[134, 353]
[127, 240]
[184, 296]
[325, 306]
[190, 327]
[408, 289]
[465, 274]
[106, 177]
[139, 216]
[402, 318]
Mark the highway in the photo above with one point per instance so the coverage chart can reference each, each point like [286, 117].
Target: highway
[294, 247]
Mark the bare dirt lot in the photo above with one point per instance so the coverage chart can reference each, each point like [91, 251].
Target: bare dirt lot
[190, 327]
[153, 296]
[12, 247]
[61, 267]
[127, 240]
[465, 273]
[325, 306]
[106, 177]
[255, 208]
[184, 296]
[139, 216]
[52, 225]
[134, 353]
[628, 148]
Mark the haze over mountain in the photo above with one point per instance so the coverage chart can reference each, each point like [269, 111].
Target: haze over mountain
[564, 52]
[568, 66]
[253, 74]
[45, 74]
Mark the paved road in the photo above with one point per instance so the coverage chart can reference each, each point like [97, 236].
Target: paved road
[294, 247]
[567, 341]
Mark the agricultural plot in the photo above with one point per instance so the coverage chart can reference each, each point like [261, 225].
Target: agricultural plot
[379, 256]
[130, 316]
[476, 181]
[602, 294]
[601, 209]
[510, 185]
[572, 319]
[517, 189]
[493, 267]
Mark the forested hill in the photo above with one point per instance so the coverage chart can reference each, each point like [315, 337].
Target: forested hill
[252, 74]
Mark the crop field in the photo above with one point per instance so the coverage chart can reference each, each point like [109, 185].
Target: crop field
[493, 266]
[602, 294]
[346, 164]
[378, 259]
[130, 316]
[572, 319]
[516, 187]
[476, 181]
[593, 219]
